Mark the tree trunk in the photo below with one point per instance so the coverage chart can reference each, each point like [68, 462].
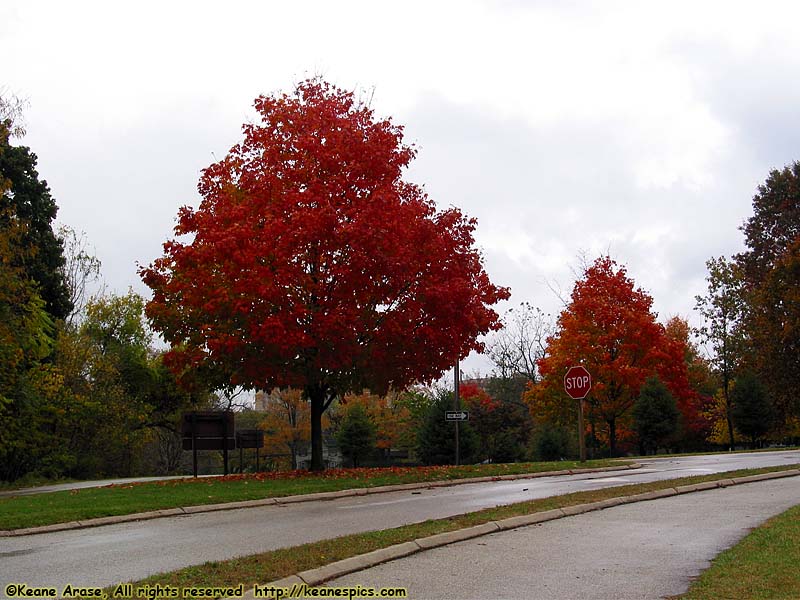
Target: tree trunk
[293, 449]
[728, 412]
[316, 395]
[612, 437]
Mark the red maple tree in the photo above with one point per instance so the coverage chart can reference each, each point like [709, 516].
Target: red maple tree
[312, 263]
[609, 328]
[695, 400]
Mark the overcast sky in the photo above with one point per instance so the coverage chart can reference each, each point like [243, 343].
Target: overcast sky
[568, 129]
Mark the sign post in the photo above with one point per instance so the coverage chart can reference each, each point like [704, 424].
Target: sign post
[457, 406]
[577, 383]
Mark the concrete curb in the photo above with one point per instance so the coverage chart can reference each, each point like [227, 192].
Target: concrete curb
[44, 529]
[358, 563]
[654, 495]
[459, 535]
[763, 476]
[532, 519]
[697, 487]
[584, 508]
[364, 561]
[189, 510]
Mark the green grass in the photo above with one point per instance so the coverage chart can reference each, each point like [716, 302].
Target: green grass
[270, 566]
[75, 505]
[764, 565]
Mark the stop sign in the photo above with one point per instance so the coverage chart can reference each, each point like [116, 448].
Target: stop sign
[577, 382]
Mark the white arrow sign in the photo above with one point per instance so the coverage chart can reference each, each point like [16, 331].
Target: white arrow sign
[456, 415]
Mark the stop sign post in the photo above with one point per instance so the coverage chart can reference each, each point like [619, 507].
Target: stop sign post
[577, 383]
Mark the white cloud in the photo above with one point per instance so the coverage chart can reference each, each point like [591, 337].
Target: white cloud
[640, 129]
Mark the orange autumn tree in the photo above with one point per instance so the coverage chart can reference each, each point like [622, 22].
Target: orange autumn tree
[610, 329]
[694, 401]
[503, 427]
[389, 417]
[287, 423]
[547, 405]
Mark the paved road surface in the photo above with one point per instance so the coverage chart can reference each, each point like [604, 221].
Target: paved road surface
[80, 485]
[131, 551]
[637, 551]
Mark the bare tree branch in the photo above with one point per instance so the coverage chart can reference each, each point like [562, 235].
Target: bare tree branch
[80, 270]
[522, 342]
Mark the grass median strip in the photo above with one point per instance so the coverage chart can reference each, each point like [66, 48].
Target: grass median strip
[60, 507]
[277, 564]
[762, 566]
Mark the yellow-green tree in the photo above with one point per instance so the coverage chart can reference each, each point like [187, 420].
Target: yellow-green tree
[390, 417]
[770, 269]
[26, 340]
[287, 423]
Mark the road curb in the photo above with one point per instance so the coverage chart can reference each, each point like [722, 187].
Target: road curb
[531, 519]
[654, 495]
[357, 563]
[591, 506]
[761, 476]
[189, 510]
[697, 487]
[459, 535]
[346, 566]
[43, 529]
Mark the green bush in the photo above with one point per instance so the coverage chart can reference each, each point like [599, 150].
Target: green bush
[436, 443]
[552, 443]
[655, 415]
[356, 437]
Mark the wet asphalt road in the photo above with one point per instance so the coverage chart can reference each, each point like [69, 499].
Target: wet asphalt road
[131, 551]
[639, 551]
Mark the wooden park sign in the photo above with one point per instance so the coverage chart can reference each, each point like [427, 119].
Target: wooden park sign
[249, 438]
[208, 430]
